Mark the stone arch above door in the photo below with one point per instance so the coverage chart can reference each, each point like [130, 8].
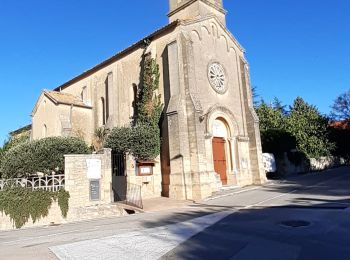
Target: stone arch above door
[217, 112]
[220, 128]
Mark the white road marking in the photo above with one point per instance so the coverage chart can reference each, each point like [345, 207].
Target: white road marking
[144, 244]
[293, 191]
[273, 198]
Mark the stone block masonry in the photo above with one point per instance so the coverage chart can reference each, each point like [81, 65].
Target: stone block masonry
[77, 183]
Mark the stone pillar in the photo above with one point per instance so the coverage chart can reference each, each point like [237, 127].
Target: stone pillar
[77, 182]
[179, 186]
[255, 149]
[189, 178]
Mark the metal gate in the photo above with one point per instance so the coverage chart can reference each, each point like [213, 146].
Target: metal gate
[124, 192]
[118, 164]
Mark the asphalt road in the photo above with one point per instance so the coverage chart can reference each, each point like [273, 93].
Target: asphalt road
[305, 217]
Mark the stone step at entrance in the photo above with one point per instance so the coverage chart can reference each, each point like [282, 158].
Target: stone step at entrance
[218, 181]
[99, 211]
[128, 209]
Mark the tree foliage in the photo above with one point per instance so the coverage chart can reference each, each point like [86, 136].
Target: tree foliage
[149, 105]
[44, 155]
[270, 117]
[277, 141]
[143, 139]
[146, 142]
[309, 128]
[341, 138]
[12, 142]
[100, 136]
[341, 107]
[303, 122]
[120, 139]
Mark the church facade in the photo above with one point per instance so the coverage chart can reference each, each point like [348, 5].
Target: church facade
[210, 132]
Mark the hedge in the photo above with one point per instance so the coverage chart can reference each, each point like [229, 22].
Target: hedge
[44, 155]
[120, 139]
[142, 141]
[146, 142]
[277, 141]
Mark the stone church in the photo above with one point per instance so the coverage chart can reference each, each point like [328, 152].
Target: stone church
[210, 132]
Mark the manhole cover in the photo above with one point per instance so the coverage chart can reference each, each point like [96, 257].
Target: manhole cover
[295, 223]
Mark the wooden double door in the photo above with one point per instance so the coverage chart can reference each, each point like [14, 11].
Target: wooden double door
[219, 156]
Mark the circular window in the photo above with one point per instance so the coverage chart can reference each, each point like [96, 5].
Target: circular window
[217, 78]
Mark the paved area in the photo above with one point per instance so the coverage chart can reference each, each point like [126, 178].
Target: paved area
[306, 217]
[150, 243]
[159, 204]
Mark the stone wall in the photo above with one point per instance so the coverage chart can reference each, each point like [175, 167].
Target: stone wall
[151, 186]
[286, 167]
[77, 183]
[74, 215]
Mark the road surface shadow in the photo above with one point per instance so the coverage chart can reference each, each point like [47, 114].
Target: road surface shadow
[312, 225]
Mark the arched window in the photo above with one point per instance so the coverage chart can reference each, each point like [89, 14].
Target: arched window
[108, 85]
[44, 131]
[103, 112]
[84, 94]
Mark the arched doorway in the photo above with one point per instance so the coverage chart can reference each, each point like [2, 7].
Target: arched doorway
[219, 143]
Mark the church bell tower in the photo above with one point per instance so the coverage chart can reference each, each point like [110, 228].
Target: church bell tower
[194, 9]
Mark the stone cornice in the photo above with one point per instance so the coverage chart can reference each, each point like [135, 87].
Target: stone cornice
[223, 27]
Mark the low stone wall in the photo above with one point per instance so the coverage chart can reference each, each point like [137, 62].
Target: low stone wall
[319, 164]
[78, 172]
[325, 163]
[74, 214]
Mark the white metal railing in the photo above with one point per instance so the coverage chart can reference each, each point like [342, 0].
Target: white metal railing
[49, 183]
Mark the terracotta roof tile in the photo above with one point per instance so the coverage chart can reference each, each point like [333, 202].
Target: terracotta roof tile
[65, 98]
[345, 124]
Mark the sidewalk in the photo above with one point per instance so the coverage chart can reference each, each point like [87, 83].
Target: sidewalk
[163, 203]
[160, 204]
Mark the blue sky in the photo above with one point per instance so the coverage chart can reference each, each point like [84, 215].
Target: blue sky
[295, 47]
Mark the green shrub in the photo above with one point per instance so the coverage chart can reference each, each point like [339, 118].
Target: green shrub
[120, 139]
[146, 142]
[11, 143]
[63, 202]
[44, 155]
[20, 204]
[149, 106]
[142, 141]
[277, 141]
[341, 137]
[303, 121]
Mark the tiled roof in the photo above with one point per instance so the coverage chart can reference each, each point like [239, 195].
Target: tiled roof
[21, 130]
[345, 124]
[64, 98]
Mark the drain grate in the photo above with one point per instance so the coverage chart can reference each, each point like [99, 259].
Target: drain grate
[295, 223]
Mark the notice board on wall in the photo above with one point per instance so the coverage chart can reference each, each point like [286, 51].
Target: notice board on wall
[93, 169]
[94, 190]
